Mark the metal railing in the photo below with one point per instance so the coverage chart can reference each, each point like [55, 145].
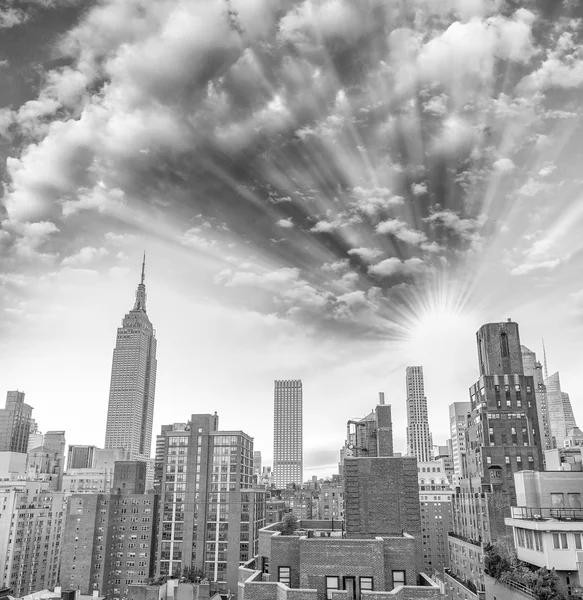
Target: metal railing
[542, 514]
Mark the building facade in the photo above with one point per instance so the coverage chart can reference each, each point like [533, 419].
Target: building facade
[435, 494]
[31, 528]
[287, 433]
[210, 514]
[547, 524]
[534, 368]
[561, 418]
[109, 539]
[458, 423]
[81, 457]
[502, 437]
[419, 440]
[370, 436]
[132, 390]
[15, 423]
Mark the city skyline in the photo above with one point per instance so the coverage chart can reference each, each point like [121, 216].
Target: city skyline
[323, 193]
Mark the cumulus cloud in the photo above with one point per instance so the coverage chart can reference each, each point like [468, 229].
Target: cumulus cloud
[401, 231]
[395, 266]
[366, 254]
[285, 223]
[85, 256]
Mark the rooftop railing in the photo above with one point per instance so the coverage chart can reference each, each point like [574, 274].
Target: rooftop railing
[543, 514]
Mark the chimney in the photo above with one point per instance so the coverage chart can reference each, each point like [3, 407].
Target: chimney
[381, 397]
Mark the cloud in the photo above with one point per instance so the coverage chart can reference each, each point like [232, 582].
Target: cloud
[374, 200]
[324, 227]
[285, 223]
[366, 254]
[401, 231]
[394, 266]
[545, 265]
[504, 165]
[85, 256]
[269, 278]
[193, 239]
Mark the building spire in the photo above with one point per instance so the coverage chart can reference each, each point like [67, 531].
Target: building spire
[545, 359]
[140, 303]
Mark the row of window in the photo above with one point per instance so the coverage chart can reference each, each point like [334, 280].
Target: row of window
[333, 582]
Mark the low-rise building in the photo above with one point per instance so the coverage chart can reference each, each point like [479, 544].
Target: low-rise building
[547, 524]
[331, 502]
[316, 563]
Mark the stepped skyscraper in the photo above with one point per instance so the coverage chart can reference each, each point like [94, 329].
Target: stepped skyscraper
[419, 440]
[133, 382]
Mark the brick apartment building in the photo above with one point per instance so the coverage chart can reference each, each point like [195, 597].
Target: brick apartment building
[109, 539]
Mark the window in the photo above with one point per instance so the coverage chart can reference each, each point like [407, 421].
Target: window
[365, 584]
[504, 345]
[398, 578]
[577, 541]
[520, 537]
[557, 500]
[574, 500]
[331, 586]
[538, 541]
[284, 575]
[560, 541]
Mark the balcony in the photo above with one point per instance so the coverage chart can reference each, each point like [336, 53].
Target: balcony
[545, 514]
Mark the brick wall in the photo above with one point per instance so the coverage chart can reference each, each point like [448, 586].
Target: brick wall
[382, 497]
[321, 557]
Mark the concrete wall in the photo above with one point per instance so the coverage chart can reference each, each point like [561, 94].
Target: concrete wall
[533, 488]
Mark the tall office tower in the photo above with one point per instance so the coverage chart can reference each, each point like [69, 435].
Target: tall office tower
[534, 368]
[287, 433]
[419, 441]
[502, 437]
[561, 418]
[81, 457]
[133, 382]
[110, 539]
[31, 527]
[210, 514]
[15, 423]
[458, 422]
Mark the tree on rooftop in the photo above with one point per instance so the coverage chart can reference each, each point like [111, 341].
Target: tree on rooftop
[288, 524]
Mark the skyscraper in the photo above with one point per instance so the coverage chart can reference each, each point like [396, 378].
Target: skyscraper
[561, 418]
[287, 433]
[419, 441]
[533, 368]
[15, 423]
[133, 382]
[502, 437]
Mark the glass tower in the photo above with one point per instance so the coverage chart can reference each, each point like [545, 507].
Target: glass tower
[133, 382]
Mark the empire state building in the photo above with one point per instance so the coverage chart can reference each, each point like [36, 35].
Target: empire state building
[133, 382]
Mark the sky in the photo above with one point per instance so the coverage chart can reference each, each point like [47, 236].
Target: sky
[328, 190]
